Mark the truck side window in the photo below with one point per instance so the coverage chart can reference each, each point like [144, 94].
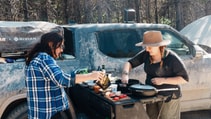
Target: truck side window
[176, 44]
[69, 44]
[118, 43]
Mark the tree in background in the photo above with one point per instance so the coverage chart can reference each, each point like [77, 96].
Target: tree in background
[176, 13]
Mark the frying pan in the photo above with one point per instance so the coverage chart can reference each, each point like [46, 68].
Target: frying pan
[147, 90]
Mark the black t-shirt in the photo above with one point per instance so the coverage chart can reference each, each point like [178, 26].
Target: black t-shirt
[172, 66]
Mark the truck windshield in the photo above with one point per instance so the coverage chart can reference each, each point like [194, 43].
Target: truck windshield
[118, 43]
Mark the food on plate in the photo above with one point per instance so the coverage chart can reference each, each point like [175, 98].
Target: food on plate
[112, 95]
[122, 96]
[116, 98]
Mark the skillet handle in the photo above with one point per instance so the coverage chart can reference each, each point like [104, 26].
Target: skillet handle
[167, 89]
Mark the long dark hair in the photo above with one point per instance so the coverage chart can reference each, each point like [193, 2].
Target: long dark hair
[43, 46]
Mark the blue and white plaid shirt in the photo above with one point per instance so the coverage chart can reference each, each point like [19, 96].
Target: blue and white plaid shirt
[45, 82]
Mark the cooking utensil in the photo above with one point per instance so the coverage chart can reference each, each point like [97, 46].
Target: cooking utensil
[104, 83]
[147, 90]
[124, 87]
[130, 82]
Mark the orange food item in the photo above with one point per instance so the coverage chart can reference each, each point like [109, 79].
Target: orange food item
[96, 88]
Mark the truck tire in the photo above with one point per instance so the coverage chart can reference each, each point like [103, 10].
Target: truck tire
[19, 112]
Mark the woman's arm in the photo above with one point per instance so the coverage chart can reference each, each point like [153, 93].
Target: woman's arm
[169, 80]
[95, 75]
[125, 72]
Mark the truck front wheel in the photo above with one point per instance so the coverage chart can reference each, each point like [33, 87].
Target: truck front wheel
[19, 112]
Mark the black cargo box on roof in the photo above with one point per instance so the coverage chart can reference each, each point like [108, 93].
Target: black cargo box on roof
[18, 36]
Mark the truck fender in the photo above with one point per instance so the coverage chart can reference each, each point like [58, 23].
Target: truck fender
[9, 101]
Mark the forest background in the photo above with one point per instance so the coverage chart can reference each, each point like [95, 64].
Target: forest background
[176, 13]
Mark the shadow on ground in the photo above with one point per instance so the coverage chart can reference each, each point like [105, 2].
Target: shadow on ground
[205, 114]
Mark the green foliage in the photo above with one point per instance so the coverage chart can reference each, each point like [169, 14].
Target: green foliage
[164, 20]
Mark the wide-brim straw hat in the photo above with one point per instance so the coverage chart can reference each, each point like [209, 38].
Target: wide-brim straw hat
[153, 38]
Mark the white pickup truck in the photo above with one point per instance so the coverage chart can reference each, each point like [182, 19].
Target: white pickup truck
[90, 46]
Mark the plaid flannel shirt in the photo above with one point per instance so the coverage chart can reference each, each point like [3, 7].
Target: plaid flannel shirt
[45, 83]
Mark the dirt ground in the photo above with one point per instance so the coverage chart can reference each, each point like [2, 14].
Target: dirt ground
[205, 114]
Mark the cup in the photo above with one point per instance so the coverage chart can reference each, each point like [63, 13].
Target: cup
[113, 87]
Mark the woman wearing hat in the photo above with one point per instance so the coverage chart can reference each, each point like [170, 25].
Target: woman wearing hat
[164, 69]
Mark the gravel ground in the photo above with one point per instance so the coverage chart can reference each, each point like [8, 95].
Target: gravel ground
[205, 114]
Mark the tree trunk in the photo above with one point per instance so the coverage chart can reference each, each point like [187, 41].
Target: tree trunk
[99, 11]
[178, 14]
[65, 11]
[148, 18]
[43, 11]
[137, 4]
[156, 12]
[25, 10]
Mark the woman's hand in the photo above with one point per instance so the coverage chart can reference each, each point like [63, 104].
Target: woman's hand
[168, 80]
[158, 81]
[125, 72]
[125, 78]
[98, 75]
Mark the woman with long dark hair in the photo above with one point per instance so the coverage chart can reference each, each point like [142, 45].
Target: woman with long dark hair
[45, 81]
